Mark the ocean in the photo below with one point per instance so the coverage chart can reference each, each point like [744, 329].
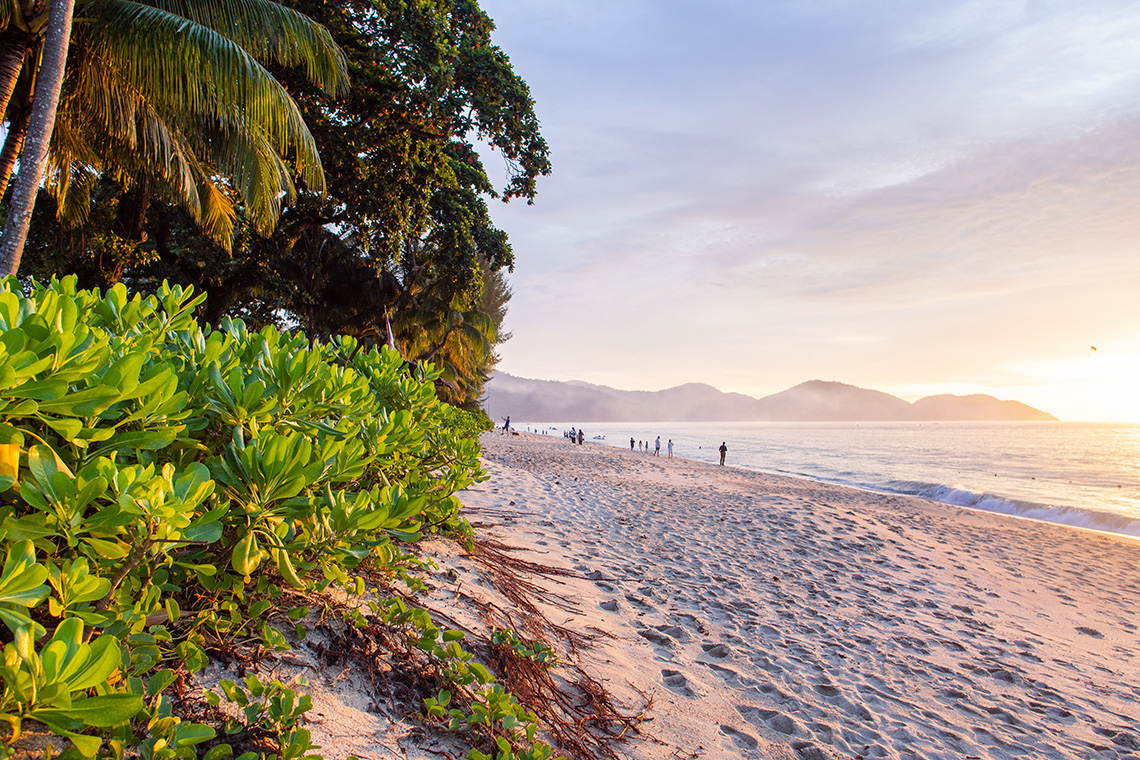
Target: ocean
[1081, 474]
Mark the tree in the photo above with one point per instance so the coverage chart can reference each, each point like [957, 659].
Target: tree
[40, 124]
[174, 100]
[404, 232]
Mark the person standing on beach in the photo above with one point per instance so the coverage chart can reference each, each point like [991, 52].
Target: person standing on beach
[581, 436]
[631, 444]
[723, 451]
[657, 447]
[507, 425]
[670, 448]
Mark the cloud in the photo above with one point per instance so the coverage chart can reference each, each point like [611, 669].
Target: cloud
[920, 191]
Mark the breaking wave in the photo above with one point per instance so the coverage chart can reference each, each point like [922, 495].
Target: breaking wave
[1109, 522]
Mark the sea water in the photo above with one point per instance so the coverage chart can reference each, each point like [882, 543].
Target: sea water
[1081, 474]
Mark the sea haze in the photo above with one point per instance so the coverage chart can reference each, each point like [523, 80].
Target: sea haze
[1081, 474]
[815, 401]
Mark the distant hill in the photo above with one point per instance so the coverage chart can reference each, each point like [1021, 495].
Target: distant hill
[976, 407]
[813, 401]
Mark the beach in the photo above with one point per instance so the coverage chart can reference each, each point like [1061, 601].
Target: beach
[777, 617]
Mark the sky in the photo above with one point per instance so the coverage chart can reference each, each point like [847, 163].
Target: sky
[920, 197]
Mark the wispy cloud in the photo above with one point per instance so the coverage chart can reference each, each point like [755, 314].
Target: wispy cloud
[752, 194]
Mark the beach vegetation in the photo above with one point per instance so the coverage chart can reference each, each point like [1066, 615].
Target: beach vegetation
[169, 492]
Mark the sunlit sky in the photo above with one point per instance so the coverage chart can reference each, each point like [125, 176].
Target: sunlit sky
[917, 197]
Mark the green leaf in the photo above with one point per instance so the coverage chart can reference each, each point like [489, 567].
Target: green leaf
[44, 463]
[68, 428]
[103, 659]
[104, 711]
[189, 734]
[145, 440]
[39, 390]
[482, 675]
[22, 580]
[246, 554]
[88, 746]
[85, 403]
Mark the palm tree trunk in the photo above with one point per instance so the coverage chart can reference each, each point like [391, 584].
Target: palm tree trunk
[14, 43]
[40, 124]
[13, 142]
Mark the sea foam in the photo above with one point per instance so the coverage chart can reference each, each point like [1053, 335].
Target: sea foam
[1074, 516]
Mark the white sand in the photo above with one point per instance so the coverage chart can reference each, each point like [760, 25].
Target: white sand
[783, 618]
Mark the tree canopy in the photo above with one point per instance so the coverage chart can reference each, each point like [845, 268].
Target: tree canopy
[402, 235]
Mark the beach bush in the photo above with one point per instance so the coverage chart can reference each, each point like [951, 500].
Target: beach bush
[166, 491]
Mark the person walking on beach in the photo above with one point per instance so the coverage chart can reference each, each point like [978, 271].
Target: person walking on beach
[581, 436]
[657, 447]
[507, 425]
[670, 448]
[631, 444]
[723, 451]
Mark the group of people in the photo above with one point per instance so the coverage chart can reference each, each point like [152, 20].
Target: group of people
[577, 436]
[644, 446]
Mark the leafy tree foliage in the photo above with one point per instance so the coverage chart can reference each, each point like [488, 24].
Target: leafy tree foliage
[403, 236]
[169, 98]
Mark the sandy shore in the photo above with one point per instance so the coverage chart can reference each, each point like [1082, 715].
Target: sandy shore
[782, 618]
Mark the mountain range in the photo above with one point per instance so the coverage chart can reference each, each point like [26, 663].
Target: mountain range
[813, 401]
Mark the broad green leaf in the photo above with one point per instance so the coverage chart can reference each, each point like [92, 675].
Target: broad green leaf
[246, 555]
[104, 711]
[146, 440]
[85, 403]
[104, 657]
[189, 734]
[22, 581]
[68, 428]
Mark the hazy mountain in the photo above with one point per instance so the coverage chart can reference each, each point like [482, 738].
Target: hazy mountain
[820, 400]
[976, 407]
[814, 401]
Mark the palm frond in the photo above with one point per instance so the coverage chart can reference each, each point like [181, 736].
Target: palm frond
[218, 214]
[271, 32]
[260, 176]
[181, 67]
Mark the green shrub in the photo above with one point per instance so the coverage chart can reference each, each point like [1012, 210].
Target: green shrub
[160, 485]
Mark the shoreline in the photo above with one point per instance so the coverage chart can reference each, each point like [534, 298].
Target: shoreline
[780, 617]
[1030, 487]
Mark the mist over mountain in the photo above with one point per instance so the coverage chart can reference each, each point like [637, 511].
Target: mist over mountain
[813, 401]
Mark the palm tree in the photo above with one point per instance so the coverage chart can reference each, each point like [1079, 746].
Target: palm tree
[172, 98]
[53, 59]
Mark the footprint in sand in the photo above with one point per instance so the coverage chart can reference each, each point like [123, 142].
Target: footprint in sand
[673, 631]
[739, 738]
[719, 651]
[610, 605]
[720, 670]
[657, 638]
[676, 681]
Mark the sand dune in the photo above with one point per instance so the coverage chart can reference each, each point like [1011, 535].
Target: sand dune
[783, 618]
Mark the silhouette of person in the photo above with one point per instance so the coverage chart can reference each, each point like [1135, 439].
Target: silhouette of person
[723, 451]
